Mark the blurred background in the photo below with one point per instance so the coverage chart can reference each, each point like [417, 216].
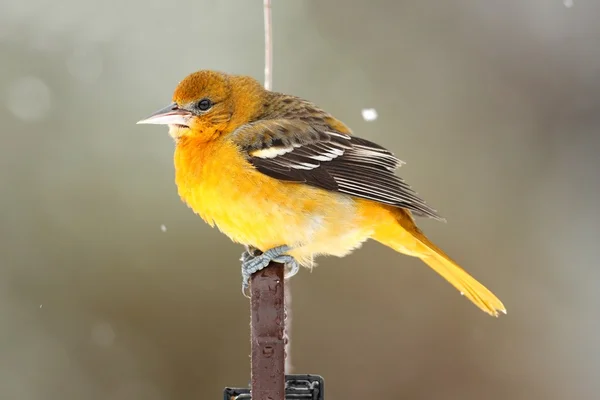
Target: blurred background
[111, 288]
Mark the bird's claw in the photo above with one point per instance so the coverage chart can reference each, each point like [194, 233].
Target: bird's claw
[253, 261]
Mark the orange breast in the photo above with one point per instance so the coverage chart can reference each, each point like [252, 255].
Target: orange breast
[217, 182]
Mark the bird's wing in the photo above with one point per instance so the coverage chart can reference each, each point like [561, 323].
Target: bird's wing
[296, 151]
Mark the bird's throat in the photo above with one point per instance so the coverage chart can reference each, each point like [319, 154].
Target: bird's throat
[177, 131]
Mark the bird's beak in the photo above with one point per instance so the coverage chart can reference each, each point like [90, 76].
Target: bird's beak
[170, 115]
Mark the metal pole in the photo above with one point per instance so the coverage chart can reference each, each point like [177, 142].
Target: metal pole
[267, 328]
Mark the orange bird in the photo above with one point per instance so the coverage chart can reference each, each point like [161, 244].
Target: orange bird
[289, 181]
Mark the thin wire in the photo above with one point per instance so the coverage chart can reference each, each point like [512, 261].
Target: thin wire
[269, 86]
[268, 46]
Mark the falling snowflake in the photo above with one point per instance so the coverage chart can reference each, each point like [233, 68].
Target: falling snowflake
[568, 3]
[163, 228]
[369, 114]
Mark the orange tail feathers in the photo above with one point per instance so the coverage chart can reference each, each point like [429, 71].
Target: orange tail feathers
[481, 296]
[405, 237]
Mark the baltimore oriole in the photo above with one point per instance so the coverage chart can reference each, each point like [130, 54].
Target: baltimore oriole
[278, 174]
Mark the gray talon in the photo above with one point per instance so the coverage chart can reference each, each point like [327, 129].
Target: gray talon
[253, 261]
[293, 268]
[249, 253]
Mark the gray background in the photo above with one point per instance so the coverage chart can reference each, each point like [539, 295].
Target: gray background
[492, 104]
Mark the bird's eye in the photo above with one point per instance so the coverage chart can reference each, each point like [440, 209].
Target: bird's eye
[204, 104]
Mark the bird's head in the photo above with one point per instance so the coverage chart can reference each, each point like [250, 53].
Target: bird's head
[207, 104]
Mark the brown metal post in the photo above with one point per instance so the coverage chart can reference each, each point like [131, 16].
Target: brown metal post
[267, 333]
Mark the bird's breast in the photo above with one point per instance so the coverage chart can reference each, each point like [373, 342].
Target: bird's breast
[223, 188]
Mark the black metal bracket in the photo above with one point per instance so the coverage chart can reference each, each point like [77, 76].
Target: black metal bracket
[297, 387]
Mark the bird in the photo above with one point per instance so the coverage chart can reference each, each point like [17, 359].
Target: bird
[289, 181]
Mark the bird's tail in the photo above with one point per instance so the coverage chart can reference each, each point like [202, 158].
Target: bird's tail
[405, 237]
[439, 261]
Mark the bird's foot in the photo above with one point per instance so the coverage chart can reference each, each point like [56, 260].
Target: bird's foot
[253, 261]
